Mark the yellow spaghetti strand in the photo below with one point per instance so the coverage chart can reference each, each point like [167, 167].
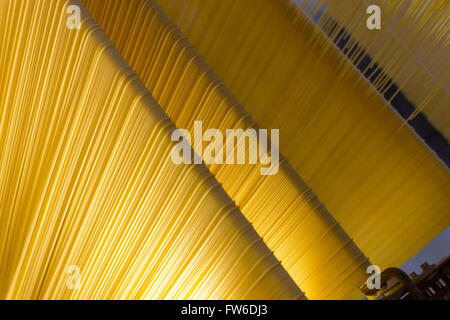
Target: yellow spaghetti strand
[372, 172]
[311, 245]
[86, 180]
[412, 47]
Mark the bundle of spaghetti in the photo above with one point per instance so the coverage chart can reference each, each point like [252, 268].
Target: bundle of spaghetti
[412, 48]
[86, 180]
[372, 172]
[312, 246]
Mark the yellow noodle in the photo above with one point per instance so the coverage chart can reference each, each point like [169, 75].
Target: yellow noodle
[372, 172]
[311, 245]
[86, 179]
[412, 47]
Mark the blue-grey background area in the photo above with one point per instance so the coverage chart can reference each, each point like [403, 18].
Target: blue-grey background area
[435, 251]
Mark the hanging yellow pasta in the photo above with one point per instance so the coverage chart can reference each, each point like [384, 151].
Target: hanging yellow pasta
[311, 245]
[86, 180]
[375, 176]
[412, 47]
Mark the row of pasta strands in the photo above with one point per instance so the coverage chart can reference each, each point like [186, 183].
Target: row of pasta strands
[311, 245]
[86, 180]
[411, 48]
[375, 176]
